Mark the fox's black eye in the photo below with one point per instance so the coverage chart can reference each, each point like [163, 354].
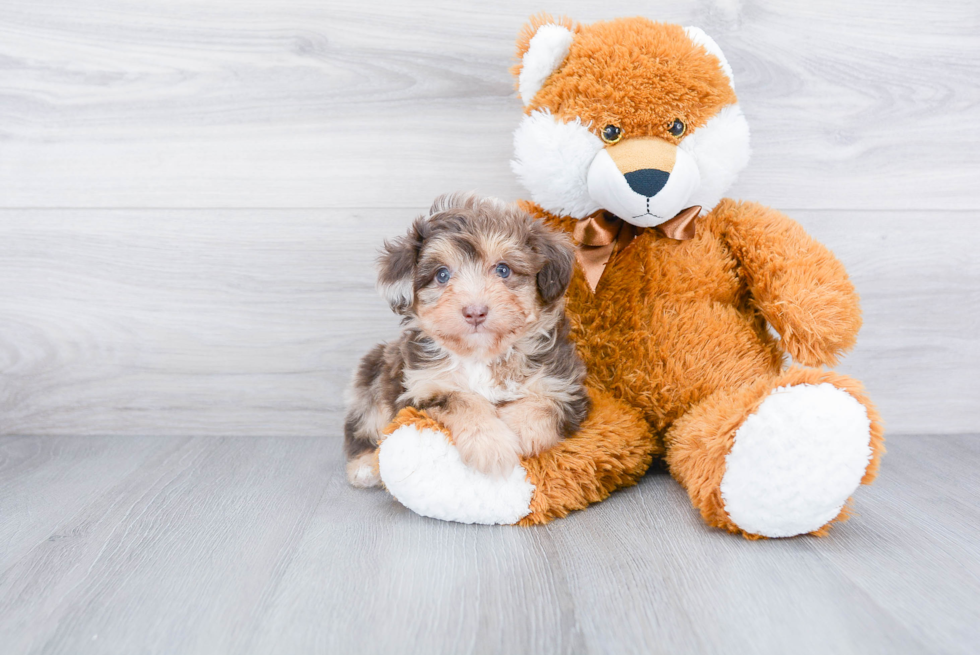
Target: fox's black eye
[611, 134]
[503, 270]
[442, 275]
[677, 128]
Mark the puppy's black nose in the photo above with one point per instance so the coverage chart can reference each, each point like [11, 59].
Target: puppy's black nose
[647, 181]
[475, 314]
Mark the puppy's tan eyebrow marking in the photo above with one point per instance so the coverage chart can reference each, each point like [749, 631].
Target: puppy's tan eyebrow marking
[468, 246]
[497, 247]
[504, 248]
[453, 238]
[441, 250]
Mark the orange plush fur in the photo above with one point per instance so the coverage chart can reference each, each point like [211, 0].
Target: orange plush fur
[597, 85]
[675, 335]
[683, 346]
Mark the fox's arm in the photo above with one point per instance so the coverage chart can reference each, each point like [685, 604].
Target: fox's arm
[796, 283]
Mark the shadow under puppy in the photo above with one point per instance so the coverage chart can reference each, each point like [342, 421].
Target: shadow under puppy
[484, 347]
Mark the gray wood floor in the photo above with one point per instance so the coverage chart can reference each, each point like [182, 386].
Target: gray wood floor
[257, 545]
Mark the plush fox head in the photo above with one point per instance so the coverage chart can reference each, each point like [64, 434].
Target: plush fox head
[629, 116]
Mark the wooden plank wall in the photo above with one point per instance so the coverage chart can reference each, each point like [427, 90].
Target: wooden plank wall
[191, 192]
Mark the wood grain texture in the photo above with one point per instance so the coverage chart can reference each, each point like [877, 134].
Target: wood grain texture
[250, 322]
[189, 322]
[204, 321]
[204, 545]
[265, 103]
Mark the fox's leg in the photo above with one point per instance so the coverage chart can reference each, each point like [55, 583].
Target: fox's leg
[779, 457]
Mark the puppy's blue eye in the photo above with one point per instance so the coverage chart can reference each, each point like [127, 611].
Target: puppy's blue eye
[503, 270]
[442, 275]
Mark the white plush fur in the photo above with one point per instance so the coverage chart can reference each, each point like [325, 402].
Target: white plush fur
[697, 35]
[609, 188]
[425, 473]
[546, 51]
[796, 461]
[721, 150]
[552, 159]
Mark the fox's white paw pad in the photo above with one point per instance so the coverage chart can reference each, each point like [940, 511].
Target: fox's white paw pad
[796, 461]
[425, 473]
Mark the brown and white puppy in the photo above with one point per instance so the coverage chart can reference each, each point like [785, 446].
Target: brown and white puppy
[484, 347]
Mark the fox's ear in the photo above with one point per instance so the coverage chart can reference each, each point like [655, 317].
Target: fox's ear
[542, 46]
[698, 37]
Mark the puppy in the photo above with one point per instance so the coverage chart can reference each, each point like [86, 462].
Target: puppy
[484, 347]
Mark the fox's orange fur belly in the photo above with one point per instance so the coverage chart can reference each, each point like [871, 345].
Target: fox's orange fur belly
[690, 329]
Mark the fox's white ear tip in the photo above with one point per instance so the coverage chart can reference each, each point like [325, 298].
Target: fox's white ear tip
[699, 37]
[545, 53]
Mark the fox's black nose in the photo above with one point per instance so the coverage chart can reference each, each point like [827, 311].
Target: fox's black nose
[647, 181]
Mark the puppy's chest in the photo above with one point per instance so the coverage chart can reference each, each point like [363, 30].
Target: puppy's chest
[498, 383]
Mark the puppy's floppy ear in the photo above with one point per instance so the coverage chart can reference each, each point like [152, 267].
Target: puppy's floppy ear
[559, 261]
[396, 268]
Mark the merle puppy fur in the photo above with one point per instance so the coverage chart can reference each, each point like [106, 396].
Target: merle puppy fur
[484, 346]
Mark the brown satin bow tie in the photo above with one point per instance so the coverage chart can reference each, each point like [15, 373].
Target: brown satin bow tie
[602, 235]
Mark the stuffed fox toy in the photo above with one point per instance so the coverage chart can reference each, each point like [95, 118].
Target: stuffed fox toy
[631, 135]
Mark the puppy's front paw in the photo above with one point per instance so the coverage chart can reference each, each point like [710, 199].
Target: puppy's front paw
[535, 425]
[362, 471]
[491, 448]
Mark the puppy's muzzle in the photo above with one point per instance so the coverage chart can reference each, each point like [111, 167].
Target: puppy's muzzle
[643, 180]
[475, 315]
